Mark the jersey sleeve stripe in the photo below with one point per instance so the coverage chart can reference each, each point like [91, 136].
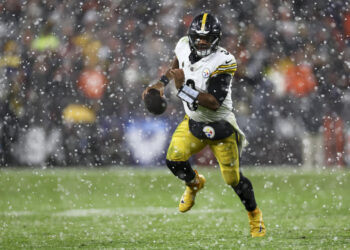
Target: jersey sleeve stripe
[226, 66]
[233, 67]
[229, 71]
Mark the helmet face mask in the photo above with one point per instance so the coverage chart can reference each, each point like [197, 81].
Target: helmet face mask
[204, 45]
[204, 34]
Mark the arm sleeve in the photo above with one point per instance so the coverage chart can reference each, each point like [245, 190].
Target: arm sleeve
[218, 86]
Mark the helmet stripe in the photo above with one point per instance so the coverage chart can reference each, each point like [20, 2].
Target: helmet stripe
[204, 19]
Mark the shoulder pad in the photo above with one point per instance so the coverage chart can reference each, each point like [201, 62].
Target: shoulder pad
[226, 63]
[182, 42]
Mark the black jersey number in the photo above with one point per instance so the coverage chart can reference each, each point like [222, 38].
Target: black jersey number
[192, 84]
[225, 52]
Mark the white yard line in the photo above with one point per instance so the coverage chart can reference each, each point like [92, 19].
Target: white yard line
[17, 213]
[114, 212]
[133, 211]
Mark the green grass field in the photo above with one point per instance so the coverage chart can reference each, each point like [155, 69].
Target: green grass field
[137, 209]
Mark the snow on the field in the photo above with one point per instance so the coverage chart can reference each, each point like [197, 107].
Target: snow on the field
[114, 212]
[17, 213]
[132, 211]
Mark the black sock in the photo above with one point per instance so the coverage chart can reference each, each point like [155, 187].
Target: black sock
[181, 169]
[245, 191]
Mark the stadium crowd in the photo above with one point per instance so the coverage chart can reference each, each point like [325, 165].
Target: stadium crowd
[72, 73]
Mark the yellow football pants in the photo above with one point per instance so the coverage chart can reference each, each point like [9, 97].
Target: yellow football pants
[183, 145]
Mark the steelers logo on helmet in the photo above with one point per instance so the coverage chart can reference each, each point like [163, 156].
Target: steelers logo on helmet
[204, 34]
[209, 132]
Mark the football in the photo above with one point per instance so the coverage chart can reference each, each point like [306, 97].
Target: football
[154, 103]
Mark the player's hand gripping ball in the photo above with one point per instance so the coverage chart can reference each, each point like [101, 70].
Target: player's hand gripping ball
[154, 102]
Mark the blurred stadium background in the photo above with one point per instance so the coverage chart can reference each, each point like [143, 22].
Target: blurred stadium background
[72, 73]
[71, 78]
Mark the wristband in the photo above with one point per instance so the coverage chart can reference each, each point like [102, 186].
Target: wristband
[188, 94]
[164, 79]
[189, 91]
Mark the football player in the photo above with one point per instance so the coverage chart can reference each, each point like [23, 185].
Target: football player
[203, 73]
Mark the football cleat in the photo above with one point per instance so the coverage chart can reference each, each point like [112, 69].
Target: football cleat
[187, 199]
[257, 227]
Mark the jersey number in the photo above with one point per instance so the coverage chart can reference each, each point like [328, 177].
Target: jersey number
[225, 52]
[194, 106]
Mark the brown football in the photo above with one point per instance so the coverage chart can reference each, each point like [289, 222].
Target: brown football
[154, 102]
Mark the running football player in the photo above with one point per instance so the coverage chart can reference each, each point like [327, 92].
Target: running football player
[203, 73]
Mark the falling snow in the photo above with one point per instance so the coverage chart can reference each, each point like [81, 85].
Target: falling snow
[72, 74]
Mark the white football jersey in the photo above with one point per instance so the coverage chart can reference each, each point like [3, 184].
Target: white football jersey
[220, 61]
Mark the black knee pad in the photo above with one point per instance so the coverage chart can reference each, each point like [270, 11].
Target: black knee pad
[181, 169]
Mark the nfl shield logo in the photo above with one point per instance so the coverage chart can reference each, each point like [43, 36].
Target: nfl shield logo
[205, 73]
